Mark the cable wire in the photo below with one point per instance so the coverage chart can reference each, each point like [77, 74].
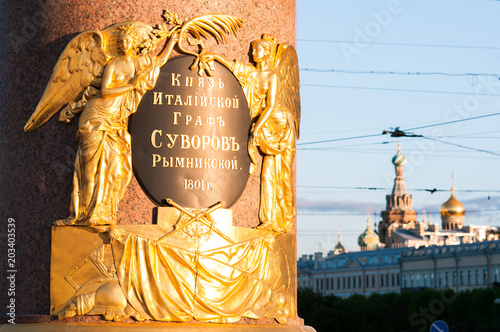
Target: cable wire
[397, 90]
[402, 44]
[345, 71]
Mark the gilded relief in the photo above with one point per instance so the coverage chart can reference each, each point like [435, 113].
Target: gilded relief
[272, 91]
[193, 264]
[102, 75]
[219, 275]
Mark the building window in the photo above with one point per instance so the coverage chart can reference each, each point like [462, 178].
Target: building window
[392, 279]
[381, 280]
[432, 280]
[348, 282]
[417, 280]
[440, 279]
[424, 280]
[353, 282]
[485, 277]
[476, 272]
[405, 284]
[359, 281]
[495, 275]
[373, 281]
[454, 281]
[462, 282]
[327, 284]
[367, 284]
[397, 279]
[343, 282]
[446, 277]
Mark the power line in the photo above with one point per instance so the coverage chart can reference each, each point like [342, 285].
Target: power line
[364, 214]
[402, 44]
[463, 146]
[454, 121]
[407, 73]
[397, 90]
[338, 139]
[389, 189]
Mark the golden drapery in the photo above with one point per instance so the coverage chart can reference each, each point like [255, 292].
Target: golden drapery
[168, 283]
[276, 140]
[103, 166]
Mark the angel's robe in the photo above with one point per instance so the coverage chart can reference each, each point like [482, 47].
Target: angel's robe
[276, 139]
[103, 166]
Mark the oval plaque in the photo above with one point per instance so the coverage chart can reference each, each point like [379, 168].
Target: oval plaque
[189, 137]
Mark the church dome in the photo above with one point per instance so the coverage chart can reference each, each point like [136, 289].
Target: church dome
[399, 159]
[452, 207]
[339, 248]
[368, 240]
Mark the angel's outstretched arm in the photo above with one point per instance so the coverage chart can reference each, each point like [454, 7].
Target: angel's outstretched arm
[167, 50]
[208, 56]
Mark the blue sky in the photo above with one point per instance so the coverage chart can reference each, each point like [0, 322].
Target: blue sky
[369, 66]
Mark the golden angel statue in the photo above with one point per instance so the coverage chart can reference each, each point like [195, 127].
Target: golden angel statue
[103, 75]
[272, 91]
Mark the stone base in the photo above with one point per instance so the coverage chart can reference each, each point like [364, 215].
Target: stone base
[155, 327]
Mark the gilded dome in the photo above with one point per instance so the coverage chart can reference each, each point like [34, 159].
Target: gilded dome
[368, 240]
[452, 207]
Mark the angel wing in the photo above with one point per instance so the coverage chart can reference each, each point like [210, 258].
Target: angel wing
[288, 89]
[216, 25]
[80, 65]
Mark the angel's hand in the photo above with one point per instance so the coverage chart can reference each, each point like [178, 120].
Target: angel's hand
[65, 116]
[205, 63]
[207, 56]
[175, 34]
[253, 133]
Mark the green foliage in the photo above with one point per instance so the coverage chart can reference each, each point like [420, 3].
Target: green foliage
[415, 311]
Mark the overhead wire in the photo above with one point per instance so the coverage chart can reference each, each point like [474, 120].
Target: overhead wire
[392, 72]
[364, 214]
[401, 44]
[454, 121]
[425, 137]
[397, 90]
[389, 189]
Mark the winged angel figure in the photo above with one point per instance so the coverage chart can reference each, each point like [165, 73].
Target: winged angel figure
[272, 91]
[103, 75]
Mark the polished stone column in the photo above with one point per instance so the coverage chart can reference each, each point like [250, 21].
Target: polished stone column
[36, 168]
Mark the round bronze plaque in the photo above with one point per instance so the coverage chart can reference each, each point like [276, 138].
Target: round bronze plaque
[189, 137]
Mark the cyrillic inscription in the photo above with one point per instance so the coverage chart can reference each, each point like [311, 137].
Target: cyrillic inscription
[189, 137]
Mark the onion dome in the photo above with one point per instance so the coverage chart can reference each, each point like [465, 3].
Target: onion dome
[452, 207]
[368, 240]
[399, 159]
[339, 248]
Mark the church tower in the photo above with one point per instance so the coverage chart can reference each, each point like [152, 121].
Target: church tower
[398, 209]
[368, 240]
[452, 212]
